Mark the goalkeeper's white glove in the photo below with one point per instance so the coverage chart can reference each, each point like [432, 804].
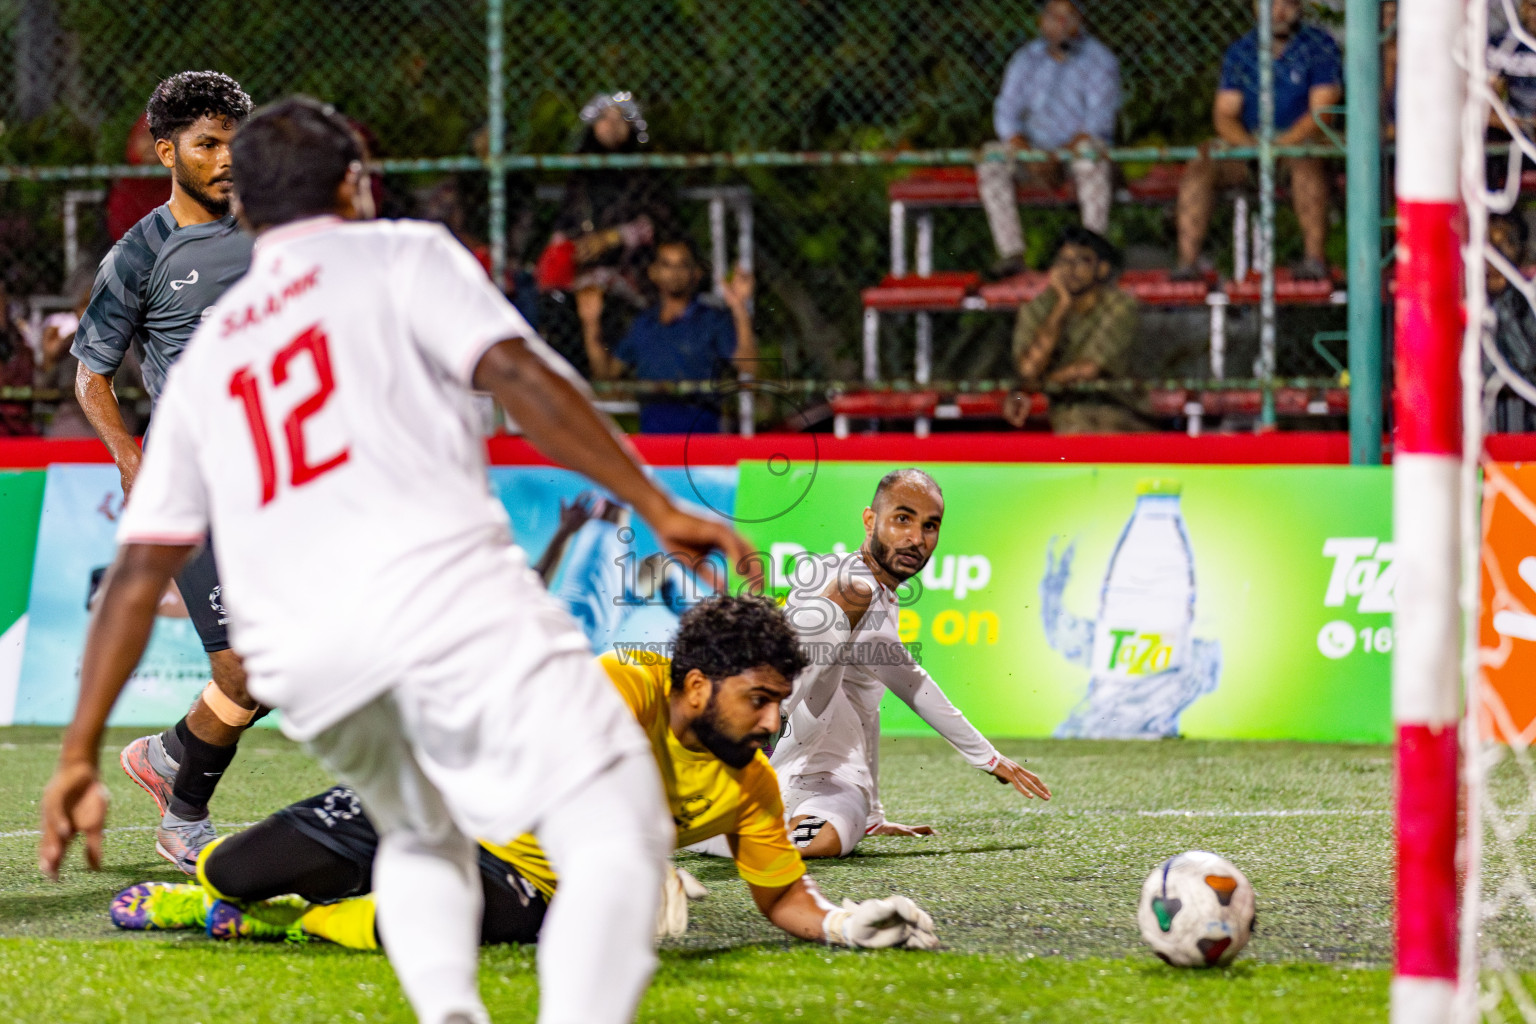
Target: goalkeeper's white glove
[880, 924]
[676, 890]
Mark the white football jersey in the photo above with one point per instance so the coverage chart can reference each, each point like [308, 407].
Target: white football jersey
[320, 423]
[843, 736]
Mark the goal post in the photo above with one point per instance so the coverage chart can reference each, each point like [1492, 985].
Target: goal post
[1427, 462]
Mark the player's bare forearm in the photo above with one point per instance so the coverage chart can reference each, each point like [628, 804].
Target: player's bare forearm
[118, 634]
[101, 408]
[562, 423]
[798, 908]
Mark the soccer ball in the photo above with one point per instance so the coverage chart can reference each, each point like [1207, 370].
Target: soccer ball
[1196, 910]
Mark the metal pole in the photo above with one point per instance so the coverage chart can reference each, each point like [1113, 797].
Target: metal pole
[1362, 91]
[496, 139]
[1266, 367]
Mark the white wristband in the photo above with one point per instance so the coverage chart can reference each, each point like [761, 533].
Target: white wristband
[832, 927]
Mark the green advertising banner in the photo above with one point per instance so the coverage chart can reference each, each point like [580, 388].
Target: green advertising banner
[21, 498]
[1129, 601]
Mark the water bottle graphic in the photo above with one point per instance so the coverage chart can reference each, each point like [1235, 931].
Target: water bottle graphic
[1147, 604]
[1145, 665]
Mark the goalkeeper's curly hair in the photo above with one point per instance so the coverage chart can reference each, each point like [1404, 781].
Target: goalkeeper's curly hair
[726, 636]
[181, 99]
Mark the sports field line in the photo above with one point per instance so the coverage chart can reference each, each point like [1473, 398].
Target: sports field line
[1170, 812]
[34, 833]
[1165, 812]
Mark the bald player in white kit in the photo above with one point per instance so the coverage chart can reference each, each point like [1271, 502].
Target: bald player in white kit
[320, 422]
[828, 758]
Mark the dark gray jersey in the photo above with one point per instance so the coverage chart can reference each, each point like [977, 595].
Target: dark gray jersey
[154, 287]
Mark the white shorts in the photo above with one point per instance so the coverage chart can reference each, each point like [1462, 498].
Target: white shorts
[498, 752]
[823, 795]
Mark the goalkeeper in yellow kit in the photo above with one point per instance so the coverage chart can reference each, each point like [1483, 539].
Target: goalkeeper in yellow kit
[305, 872]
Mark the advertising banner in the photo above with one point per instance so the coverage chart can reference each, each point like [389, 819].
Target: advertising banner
[1507, 630]
[21, 496]
[1136, 601]
[601, 565]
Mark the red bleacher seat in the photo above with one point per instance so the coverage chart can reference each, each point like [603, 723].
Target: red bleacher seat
[1167, 402]
[956, 186]
[1151, 287]
[945, 289]
[1154, 288]
[885, 404]
[989, 404]
[1288, 292]
[1159, 185]
[1012, 292]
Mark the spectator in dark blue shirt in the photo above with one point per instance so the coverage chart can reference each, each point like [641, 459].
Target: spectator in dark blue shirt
[681, 338]
[1308, 77]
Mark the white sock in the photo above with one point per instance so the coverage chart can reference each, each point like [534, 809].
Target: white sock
[609, 844]
[429, 904]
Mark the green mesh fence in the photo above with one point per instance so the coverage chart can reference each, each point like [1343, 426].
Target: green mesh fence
[714, 76]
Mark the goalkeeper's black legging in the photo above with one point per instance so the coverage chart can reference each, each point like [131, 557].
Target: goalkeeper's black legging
[276, 857]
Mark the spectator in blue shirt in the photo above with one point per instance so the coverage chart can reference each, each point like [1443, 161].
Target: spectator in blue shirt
[1059, 91]
[1308, 77]
[681, 338]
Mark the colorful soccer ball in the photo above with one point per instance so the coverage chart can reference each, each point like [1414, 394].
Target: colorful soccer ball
[1196, 910]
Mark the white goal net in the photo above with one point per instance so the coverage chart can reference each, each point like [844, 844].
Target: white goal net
[1498, 952]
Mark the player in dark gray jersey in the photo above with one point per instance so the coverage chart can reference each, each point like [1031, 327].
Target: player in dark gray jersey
[152, 291]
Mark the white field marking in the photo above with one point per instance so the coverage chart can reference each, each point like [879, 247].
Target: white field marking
[121, 828]
[1300, 812]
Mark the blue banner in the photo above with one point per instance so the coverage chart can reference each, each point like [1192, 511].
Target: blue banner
[603, 569]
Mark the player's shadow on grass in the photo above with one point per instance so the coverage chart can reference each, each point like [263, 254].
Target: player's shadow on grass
[82, 893]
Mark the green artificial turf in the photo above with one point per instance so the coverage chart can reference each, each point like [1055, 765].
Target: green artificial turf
[1035, 902]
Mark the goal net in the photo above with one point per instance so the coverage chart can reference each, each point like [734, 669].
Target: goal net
[1498, 506]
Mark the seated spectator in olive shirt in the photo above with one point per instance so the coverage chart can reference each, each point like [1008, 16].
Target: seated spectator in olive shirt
[1079, 329]
[681, 338]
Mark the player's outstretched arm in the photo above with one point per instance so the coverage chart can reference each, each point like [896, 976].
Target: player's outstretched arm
[562, 423]
[800, 910]
[918, 690]
[74, 800]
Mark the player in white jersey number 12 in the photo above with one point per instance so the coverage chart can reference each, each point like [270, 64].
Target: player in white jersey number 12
[845, 610]
[320, 423]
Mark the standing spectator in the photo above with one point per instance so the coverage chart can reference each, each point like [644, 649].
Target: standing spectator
[1515, 332]
[603, 234]
[129, 200]
[1308, 78]
[680, 338]
[1079, 329]
[1060, 90]
[15, 370]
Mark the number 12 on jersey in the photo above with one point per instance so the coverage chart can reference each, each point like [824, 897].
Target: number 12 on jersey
[243, 385]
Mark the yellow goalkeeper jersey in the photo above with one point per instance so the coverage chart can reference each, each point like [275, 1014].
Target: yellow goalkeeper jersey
[707, 798]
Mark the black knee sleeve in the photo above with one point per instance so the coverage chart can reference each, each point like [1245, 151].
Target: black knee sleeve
[273, 857]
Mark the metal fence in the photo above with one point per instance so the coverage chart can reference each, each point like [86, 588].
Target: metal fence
[715, 77]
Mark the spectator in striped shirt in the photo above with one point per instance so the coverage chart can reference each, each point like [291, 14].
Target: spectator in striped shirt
[1059, 91]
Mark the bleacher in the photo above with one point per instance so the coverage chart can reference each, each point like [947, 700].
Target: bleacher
[920, 291]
